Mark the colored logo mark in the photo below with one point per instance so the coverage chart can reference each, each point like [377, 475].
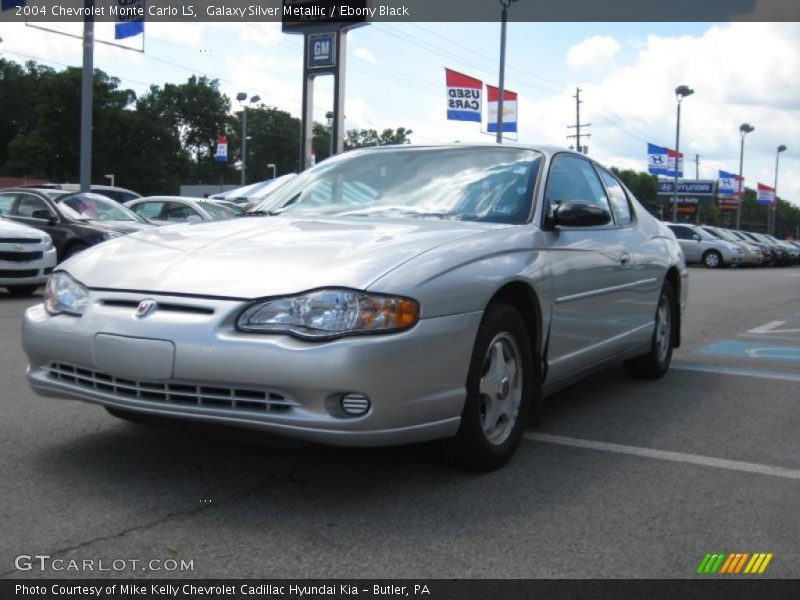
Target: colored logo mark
[735, 563]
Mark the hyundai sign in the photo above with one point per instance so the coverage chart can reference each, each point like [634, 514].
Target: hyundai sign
[694, 188]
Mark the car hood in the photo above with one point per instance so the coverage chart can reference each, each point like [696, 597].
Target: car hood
[10, 229]
[122, 226]
[252, 257]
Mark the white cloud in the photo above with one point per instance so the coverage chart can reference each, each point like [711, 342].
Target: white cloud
[365, 54]
[593, 51]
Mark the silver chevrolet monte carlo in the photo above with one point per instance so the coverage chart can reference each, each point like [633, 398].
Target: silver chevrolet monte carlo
[397, 295]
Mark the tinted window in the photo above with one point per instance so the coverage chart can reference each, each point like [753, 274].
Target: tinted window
[180, 212]
[29, 203]
[618, 198]
[148, 210]
[573, 178]
[681, 232]
[6, 200]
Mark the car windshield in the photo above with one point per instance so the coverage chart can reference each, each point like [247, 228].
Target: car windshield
[486, 184]
[704, 235]
[95, 207]
[725, 235]
[218, 211]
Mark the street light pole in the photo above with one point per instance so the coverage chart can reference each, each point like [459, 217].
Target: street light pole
[744, 129]
[502, 80]
[680, 93]
[774, 209]
[87, 98]
[241, 97]
[330, 116]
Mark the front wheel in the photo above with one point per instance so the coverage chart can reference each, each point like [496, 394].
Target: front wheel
[712, 259]
[500, 389]
[655, 363]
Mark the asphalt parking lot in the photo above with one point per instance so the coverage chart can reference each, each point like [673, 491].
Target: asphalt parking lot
[623, 478]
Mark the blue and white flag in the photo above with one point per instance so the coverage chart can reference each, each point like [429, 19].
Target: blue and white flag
[657, 159]
[130, 19]
[663, 161]
[730, 184]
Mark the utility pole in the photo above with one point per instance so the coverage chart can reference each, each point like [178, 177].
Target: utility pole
[697, 166]
[578, 125]
[87, 98]
[502, 79]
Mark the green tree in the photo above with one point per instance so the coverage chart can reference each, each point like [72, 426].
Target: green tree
[361, 138]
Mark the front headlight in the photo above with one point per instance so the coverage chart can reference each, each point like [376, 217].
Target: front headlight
[330, 313]
[64, 295]
[48, 243]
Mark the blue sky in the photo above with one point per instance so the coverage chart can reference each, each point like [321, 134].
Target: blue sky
[742, 72]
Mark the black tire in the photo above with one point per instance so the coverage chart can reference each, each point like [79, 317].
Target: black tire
[503, 329]
[712, 260]
[73, 250]
[22, 290]
[655, 363]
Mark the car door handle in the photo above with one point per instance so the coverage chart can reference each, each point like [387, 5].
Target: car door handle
[625, 260]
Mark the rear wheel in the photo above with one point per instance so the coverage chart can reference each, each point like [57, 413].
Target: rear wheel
[655, 363]
[500, 390]
[22, 290]
[712, 259]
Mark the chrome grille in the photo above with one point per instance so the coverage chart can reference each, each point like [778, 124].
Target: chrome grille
[172, 392]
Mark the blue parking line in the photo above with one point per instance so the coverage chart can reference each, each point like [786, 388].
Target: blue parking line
[736, 349]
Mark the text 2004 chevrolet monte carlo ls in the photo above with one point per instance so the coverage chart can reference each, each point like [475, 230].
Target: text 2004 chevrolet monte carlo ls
[401, 294]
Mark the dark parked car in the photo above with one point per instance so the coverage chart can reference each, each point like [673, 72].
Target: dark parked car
[72, 230]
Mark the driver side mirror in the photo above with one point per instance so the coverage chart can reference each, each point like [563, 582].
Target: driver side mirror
[44, 215]
[574, 213]
[696, 237]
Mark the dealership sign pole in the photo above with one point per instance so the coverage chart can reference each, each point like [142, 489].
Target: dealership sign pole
[324, 25]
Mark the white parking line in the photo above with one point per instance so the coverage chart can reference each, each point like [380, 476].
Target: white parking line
[694, 459]
[721, 370]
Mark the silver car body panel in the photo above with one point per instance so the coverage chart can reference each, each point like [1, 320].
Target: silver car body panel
[595, 293]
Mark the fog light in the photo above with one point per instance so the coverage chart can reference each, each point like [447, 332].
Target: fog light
[355, 404]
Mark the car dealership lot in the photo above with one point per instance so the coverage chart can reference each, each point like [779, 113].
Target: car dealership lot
[623, 478]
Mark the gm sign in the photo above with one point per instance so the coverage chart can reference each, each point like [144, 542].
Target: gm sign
[321, 50]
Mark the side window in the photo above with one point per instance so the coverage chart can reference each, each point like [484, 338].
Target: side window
[682, 233]
[180, 212]
[6, 200]
[148, 210]
[573, 178]
[618, 198]
[29, 203]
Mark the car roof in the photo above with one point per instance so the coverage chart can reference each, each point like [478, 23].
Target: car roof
[543, 148]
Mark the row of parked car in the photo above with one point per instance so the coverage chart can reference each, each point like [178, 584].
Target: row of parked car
[44, 225]
[717, 247]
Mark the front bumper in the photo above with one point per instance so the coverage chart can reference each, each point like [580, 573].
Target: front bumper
[201, 368]
[27, 273]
